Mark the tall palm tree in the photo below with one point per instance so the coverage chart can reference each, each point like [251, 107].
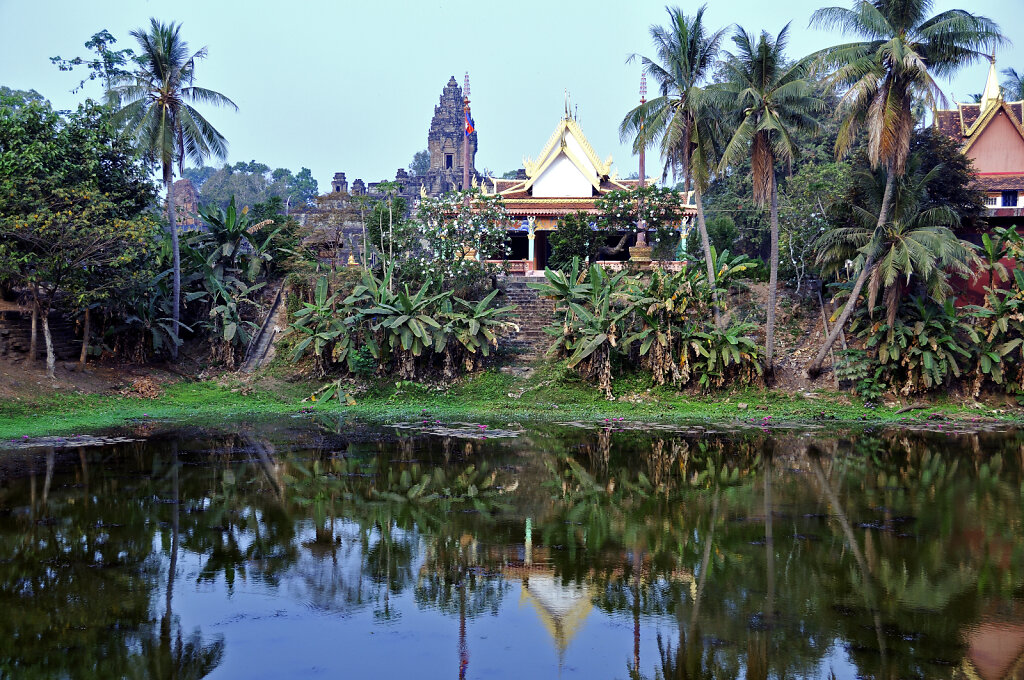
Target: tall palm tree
[912, 242]
[157, 113]
[903, 50]
[772, 99]
[680, 116]
[1013, 86]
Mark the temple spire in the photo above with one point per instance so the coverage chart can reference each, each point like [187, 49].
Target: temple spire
[991, 94]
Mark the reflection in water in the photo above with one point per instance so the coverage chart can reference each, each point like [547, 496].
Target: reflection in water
[588, 553]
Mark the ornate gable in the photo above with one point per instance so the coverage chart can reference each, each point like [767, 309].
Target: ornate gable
[566, 165]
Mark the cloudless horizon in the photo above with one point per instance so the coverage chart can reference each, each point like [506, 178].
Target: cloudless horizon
[347, 86]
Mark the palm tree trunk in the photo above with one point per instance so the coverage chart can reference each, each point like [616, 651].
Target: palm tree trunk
[175, 262]
[85, 342]
[883, 216]
[708, 260]
[773, 281]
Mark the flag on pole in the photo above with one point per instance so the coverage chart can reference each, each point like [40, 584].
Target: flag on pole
[470, 127]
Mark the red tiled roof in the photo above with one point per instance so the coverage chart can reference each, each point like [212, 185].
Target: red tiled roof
[549, 207]
[956, 122]
[1000, 182]
[948, 123]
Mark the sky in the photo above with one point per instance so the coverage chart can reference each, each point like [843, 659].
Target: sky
[351, 85]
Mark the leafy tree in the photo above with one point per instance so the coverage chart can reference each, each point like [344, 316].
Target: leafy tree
[722, 232]
[420, 163]
[575, 237]
[457, 233]
[808, 203]
[953, 187]
[231, 182]
[659, 208]
[158, 115]
[108, 64]
[198, 176]
[72, 202]
[903, 51]
[680, 118]
[772, 98]
[15, 98]
[253, 182]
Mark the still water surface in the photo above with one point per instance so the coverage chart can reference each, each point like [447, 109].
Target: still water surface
[315, 548]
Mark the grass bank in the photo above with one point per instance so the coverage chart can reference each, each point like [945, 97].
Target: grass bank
[551, 394]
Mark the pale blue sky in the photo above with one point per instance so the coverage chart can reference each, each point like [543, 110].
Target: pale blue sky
[351, 85]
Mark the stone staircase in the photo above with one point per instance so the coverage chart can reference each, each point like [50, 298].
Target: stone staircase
[261, 348]
[532, 314]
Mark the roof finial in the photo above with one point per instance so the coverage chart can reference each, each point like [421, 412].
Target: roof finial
[567, 103]
[991, 95]
[465, 86]
[643, 87]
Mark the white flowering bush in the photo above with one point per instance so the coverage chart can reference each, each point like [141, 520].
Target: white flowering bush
[661, 209]
[458, 232]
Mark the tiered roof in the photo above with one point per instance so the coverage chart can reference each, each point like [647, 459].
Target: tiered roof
[969, 123]
[567, 155]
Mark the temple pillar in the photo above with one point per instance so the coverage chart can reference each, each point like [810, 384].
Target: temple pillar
[530, 237]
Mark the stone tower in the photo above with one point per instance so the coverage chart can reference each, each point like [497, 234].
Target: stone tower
[444, 141]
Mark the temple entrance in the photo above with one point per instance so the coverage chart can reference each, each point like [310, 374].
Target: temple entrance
[519, 244]
[542, 249]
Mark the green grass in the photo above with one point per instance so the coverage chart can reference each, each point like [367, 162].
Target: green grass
[196, 402]
[551, 394]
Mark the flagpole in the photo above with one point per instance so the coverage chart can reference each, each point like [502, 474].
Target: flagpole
[465, 144]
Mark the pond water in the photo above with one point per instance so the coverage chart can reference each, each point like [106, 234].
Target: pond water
[312, 547]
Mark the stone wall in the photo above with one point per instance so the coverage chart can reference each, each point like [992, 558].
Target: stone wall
[16, 334]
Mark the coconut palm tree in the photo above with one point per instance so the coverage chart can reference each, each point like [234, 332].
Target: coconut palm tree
[913, 242]
[1013, 86]
[680, 118]
[903, 50]
[772, 99]
[157, 113]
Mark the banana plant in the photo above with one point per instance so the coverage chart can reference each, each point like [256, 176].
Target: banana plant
[1000, 326]
[665, 313]
[404, 322]
[325, 329]
[230, 239]
[722, 353]
[474, 327]
[593, 305]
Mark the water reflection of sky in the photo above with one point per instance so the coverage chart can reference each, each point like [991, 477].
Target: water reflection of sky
[574, 553]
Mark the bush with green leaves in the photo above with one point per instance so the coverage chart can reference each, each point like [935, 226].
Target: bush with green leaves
[863, 370]
[926, 346]
[999, 321]
[576, 236]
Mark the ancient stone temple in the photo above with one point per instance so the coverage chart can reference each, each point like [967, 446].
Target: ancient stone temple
[445, 141]
[186, 204]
